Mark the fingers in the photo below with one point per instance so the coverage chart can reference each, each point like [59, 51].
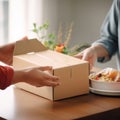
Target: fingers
[53, 82]
[87, 55]
[49, 80]
[80, 55]
[44, 68]
[91, 65]
[24, 38]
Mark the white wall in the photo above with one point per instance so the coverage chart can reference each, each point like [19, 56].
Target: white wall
[87, 16]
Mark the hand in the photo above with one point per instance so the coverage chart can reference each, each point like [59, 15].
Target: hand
[6, 52]
[36, 76]
[89, 55]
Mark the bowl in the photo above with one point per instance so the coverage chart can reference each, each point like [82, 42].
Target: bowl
[106, 79]
[105, 85]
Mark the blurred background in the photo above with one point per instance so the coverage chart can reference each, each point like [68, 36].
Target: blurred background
[17, 18]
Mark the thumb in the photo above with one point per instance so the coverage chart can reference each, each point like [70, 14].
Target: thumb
[44, 68]
[24, 38]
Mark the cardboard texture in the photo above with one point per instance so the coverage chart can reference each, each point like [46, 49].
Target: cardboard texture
[73, 73]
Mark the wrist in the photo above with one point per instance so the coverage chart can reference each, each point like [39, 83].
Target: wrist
[99, 50]
[18, 76]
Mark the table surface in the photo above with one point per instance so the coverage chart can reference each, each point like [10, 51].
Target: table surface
[17, 104]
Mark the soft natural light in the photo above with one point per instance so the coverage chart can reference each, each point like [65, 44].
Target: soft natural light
[21, 22]
[17, 20]
[1, 22]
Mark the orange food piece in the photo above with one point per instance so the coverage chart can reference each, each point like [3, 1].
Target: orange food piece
[59, 48]
[112, 74]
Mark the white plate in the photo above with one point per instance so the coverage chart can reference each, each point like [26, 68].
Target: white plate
[105, 92]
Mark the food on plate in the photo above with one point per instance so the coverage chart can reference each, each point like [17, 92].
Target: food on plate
[108, 74]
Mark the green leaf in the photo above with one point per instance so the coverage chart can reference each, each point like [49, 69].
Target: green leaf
[34, 25]
[45, 26]
[35, 30]
[51, 36]
[65, 50]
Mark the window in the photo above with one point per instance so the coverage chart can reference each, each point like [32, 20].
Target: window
[3, 21]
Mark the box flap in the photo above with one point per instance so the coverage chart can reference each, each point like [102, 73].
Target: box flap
[26, 44]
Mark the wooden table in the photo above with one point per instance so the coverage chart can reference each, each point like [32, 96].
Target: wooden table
[17, 104]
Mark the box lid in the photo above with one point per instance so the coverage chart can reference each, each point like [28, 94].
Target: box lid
[27, 46]
[43, 56]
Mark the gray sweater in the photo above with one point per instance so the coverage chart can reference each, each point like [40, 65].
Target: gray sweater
[110, 33]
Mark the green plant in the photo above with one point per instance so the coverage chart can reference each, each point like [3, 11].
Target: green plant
[56, 42]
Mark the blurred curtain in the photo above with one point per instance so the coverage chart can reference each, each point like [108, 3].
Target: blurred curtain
[22, 15]
[3, 21]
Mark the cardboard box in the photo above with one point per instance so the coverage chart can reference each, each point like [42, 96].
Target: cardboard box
[73, 73]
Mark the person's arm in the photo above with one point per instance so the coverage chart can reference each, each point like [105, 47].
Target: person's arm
[6, 52]
[35, 76]
[109, 32]
[104, 48]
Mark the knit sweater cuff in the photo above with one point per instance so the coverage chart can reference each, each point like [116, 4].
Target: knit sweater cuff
[6, 76]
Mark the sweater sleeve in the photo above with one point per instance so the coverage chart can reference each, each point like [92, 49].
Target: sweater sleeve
[6, 75]
[109, 31]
